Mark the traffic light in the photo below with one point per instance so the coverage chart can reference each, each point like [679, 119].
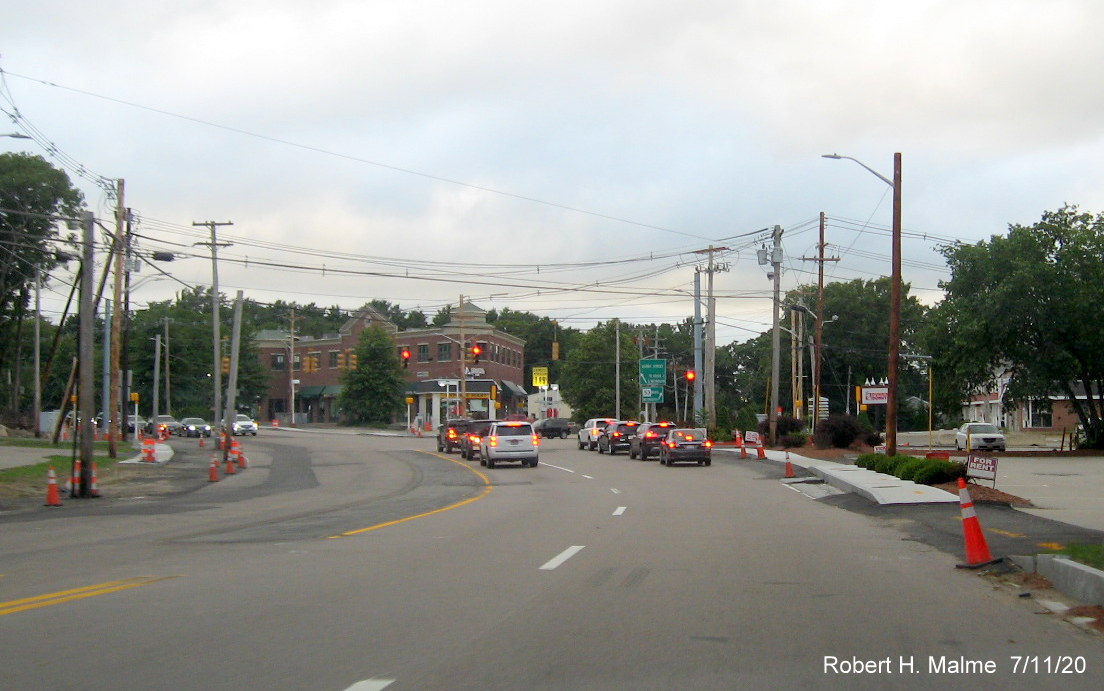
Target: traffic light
[691, 375]
[314, 363]
[476, 351]
[405, 357]
[341, 360]
[352, 360]
[226, 365]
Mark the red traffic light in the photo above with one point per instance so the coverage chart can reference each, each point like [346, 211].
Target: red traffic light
[477, 351]
[405, 356]
[691, 375]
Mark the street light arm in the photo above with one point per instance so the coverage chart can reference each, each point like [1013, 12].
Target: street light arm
[849, 158]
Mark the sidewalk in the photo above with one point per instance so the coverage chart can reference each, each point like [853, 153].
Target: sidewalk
[15, 456]
[877, 487]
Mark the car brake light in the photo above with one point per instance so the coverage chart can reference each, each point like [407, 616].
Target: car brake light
[651, 435]
[493, 440]
[673, 444]
[536, 440]
[617, 434]
[707, 444]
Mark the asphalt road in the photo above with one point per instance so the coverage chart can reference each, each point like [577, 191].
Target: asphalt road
[341, 561]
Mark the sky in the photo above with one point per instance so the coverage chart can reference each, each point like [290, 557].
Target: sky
[568, 158]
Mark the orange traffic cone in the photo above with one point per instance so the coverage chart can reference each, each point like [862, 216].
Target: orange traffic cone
[201, 441]
[761, 451]
[789, 469]
[740, 440]
[212, 471]
[52, 498]
[237, 450]
[148, 449]
[229, 470]
[977, 550]
[95, 493]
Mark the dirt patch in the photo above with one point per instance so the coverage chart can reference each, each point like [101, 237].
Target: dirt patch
[983, 494]
[1095, 612]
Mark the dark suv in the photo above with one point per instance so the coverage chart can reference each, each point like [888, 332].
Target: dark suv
[469, 443]
[648, 438]
[615, 437]
[450, 432]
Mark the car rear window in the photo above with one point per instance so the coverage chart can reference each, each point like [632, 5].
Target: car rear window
[627, 428]
[689, 434]
[514, 430]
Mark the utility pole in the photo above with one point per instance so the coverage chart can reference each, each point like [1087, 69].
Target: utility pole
[168, 370]
[699, 392]
[710, 359]
[819, 350]
[86, 389]
[616, 370]
[776, 307]
[122, 397]
[291, 366]
[217, 373]
[462, 409]
[232, 384]
[156, 376]
[113, 409]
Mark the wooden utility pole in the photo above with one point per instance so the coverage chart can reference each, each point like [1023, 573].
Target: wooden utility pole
[291, 366]
[462, 409]
[217, 373]
[86, 382]
[710, 355]
[113, 411]
[819, 347]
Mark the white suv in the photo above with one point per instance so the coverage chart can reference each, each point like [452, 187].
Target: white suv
[588, 433]
[509, 441]
[243, 424]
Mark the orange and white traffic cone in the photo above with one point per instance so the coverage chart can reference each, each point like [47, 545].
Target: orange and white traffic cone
[740, 441]
[72, 485]
[760, 450]
[212, 471]
[977, 550]
[95, 493]
[52, 498]
[149, 447]
[236, 451]
[789, 466]
[229, 470]
[201, 441]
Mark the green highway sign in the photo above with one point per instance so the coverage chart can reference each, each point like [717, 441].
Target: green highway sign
[652, 394]
[653, 373]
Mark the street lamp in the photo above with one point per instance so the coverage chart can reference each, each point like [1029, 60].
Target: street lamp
[894, 296]
[15, 135]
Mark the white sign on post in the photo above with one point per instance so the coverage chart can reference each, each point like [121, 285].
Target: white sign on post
[981, 468]
[875, 395]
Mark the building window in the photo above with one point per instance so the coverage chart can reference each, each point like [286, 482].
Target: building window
[295, 362]
[423, 352]
[279, 362]
[332, 359]
[1040, 413]
[444, 351]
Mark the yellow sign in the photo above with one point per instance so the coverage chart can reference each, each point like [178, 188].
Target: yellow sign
[134, 396]
[540, 376]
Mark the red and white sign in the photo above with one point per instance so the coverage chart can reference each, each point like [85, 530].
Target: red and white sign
[875, 395]
[751, 437]
[981, 468]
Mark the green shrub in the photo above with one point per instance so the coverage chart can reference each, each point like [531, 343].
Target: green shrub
[907, 470]
[838, 431]
[867, 460]
[719, 434]
[889, 464]
[794, 440]
[872, 439]
[937, 471]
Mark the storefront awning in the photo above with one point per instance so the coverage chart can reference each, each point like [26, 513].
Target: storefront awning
[514, 389]
[310, 392]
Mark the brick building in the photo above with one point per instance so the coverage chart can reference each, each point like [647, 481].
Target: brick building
[433, 371]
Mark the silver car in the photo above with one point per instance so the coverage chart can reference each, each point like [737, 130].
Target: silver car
[509, 441]
[979, 436]
[243, 424]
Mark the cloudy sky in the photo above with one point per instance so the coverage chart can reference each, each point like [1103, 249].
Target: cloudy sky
[565, 158]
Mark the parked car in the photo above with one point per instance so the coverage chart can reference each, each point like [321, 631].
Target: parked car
[243, 424]
[553, 427]
[166, 423]
[588, 433]
[509, 441]
[686, 445]
[979, 436]
[135, 423]
[648, 438]
[195, 427]
[615, 436]
[473, 437]
[450, 433]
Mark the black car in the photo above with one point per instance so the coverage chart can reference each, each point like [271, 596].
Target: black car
[615, 437]
[686, 445]
[469, 442]
[648, 437]
[555, 427]
[450, 433]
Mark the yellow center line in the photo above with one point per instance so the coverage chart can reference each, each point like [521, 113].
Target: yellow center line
[63, 596]
[487, 487]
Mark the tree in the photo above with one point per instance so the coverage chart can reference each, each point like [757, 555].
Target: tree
[372, 392]
[587, 379]
[34, 197]
[1031, 303]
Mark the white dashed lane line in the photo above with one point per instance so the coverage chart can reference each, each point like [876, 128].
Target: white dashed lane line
[562, 557]
[620, 510]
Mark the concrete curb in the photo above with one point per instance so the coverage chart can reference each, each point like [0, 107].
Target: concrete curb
[1078, 581]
